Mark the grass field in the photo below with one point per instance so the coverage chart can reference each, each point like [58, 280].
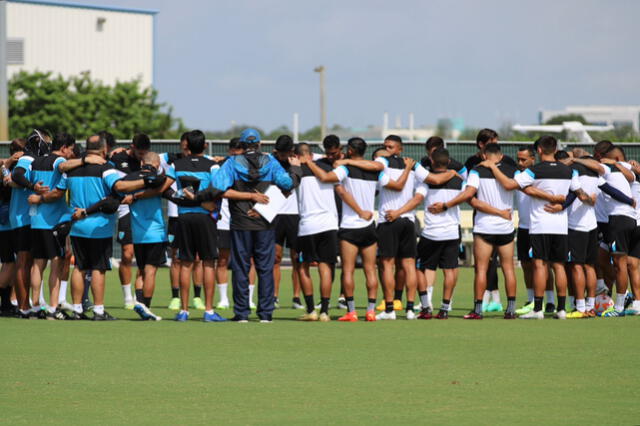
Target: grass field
[447, 372]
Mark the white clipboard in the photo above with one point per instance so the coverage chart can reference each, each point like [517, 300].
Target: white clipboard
[270, 210]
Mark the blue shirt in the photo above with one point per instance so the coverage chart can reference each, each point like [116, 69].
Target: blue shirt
[19, 206]
[194, 171]
[45, 169]
[147, 221]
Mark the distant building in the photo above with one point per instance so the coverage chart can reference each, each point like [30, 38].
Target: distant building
[114, 44]
[617, 116]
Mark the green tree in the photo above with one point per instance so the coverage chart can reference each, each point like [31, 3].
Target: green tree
[82, 106]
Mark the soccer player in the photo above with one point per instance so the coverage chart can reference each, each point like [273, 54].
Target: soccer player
[45, 244]
[127, 161]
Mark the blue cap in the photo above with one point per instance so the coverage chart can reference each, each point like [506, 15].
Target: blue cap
[250, 136]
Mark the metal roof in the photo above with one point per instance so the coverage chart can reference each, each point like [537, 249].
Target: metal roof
[87, 6]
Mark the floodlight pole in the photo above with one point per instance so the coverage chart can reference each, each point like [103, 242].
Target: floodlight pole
[323, 107]
[4, 92]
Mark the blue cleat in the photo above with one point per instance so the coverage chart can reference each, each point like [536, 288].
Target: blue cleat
[214, 317]
[182, 316]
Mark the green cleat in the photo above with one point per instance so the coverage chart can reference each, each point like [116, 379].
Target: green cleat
[174, 305]
[198, 303]
[525, 309]
[494, 307]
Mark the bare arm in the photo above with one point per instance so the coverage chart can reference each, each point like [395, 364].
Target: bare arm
[153, 192]
[348, 199]
[77, 162]
[590, 164]
[441, 178]
[507, 183]
[392, 215]
[327, 177]
[397, 185]
[368, 165]
[463, 196]
[532, 191]
[126, 186]
[487, 208]
[47, 197]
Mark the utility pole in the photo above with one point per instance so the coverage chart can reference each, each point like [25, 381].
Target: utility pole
[4, 92]
[323, 107]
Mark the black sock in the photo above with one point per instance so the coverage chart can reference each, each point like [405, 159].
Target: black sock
[388, 307]
[477, 307]
[5, 293]
[139, 296]
[324, 305]
[537, 304]
[562, 300]
[297, 300]
[308, 300]
[147, 302]
[175, 292]
[196, 290]
[397, 295]
[409, 306]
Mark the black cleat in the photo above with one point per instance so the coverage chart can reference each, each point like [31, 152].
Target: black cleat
[549, 308]
[87, 305]
[10, 311]
[239, 319]
[59, 315]
[443, 315]
[79, 316]
[104, 317]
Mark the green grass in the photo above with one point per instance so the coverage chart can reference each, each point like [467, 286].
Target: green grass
[453, 372]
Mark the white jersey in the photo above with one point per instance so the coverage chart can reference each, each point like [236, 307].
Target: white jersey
[316, 202]
[390, 199]
[166, 159]
[524, 208]
[557, 179]
[291, 205]
[446, 225]
[635, 190]
[582, 217]
[490, 191]
[614, 177]
[361, 184]
[224, 224]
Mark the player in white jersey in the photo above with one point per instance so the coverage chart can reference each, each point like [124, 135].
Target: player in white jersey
[634, 256]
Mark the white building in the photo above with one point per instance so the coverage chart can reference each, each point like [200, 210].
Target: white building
[114, 44]
[602, 115]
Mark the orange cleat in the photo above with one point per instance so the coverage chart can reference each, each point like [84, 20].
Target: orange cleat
[349, 317]
[371, 316]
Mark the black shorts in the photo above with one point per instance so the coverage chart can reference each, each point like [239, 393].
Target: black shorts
[7, 253]
[634, 250]
[620, 234]
[321, 247]
[21, 239]
[45, 245]
[603, 228]
[549, 247]
[124, 230]
[437, 254]
[286, 226]
[197, 236]
[172, 232]
[154, 254]
[583, 247]
[361, 237]
[92, 254]
[397, 239]
[224, 239]
[496, 239]
[523, 244]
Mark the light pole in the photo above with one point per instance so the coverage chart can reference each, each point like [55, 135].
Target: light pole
[4, 92]
[323, 107]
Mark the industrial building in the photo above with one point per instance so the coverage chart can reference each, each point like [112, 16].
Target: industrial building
[602, 115]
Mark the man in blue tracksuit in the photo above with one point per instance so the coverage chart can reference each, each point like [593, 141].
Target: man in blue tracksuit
[251, 235]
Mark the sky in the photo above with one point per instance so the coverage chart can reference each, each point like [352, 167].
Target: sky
[487, 62]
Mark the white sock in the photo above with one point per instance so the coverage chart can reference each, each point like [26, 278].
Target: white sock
[41, 300]
[580, 305]
[572, 302]
[485, 297]
[591, 303]
[222, 291]
[62, 297]
[126, 292]
[446, 306]
[209, 312]
[98, 309]
[551, 297]
[35, 308]
[495, 296]
[619, 306]
[77, 307]
[14, 302]
[182, 311]
[430, 296]
[252, 287]
[601, 287]
[635, 305]
[530, 295]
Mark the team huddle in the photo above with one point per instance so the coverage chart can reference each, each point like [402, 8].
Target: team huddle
[578, 230]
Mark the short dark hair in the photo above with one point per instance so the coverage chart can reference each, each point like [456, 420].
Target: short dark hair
[284, 143]
[528, 148]
[358, 145]
[440, 157]
[331, 141]
[195, 141]
[615, 148]
[377, 150]
[394, 138]
[485, 135]
[561, 155]
[234, 143]
[434, 142]
[548, 144]
[492, 148]
[141, 141]
[62, 139]
[184, 136]
[110, 140]
[602, 147]
[17, 145]
[97, 144]
[302, 148]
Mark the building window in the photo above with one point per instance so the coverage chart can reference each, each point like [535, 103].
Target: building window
[15, 51]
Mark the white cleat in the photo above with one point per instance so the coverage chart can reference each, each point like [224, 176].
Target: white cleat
[65, 306]
[533, 315]
[382, 316]
[411, 315]
[560, 315]
[252, 306]
[297, 306]
[222, 305]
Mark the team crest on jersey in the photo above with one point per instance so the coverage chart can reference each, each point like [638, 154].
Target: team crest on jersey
[171, 238]
[121, 235]
[125, 164]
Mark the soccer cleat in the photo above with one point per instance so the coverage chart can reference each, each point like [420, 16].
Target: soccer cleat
[628, 300]
[77, 316]
[411, 315]
[223, 305]
[182, 316]
[87, 305]
[612, 313]
[297, 305]
[397, 305]
[484, 306]
[266, 321]
[381, 306]
[349, 317]
[576, 315]
[342, 303]
[425, 314]
[417, 307]
[509, 315]
[538, 315]
[324, 317]
[105, 316]
[252, 305]
[494, 307]
[383, 316]
[560, 315]
[41, 314]
[214, 317]
[58, 314]
[442, 315]
[309, 316]
[525, 309]
[631, 312]
[239, 320]
[590, 313]
[472, 316]
[549, 308]
[145, 313]
[65, 306]
[198, 304]
[174, 305]
[276, 304]
[129, 304]
[370, 316]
